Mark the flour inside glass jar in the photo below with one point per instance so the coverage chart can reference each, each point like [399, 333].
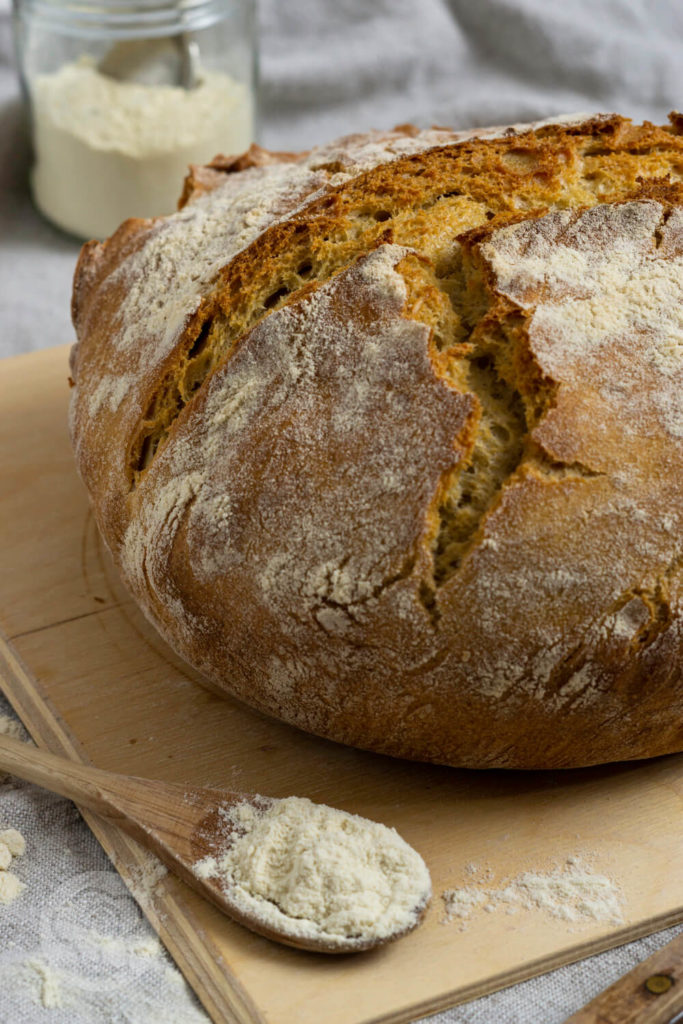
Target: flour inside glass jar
[107, 149]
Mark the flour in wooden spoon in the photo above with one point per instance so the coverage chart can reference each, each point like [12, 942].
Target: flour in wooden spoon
[312, 872]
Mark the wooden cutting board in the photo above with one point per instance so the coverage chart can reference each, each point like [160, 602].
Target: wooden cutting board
[92, 680]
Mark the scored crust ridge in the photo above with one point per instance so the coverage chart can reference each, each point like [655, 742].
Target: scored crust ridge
[387, 438]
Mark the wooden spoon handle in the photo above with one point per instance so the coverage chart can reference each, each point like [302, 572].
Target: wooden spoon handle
[652, 993]
[78, 782]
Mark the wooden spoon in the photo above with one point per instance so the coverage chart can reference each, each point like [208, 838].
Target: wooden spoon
[182, 825]
[652, 993]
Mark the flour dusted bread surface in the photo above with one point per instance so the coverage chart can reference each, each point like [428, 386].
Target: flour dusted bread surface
[387, 438]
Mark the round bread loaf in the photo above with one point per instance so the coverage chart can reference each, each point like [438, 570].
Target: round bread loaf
[387, 438]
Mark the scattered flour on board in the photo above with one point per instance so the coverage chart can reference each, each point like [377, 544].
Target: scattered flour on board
[573, 893]
[311, 871]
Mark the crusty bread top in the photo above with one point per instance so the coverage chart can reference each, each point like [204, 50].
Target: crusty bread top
[147, 292]
[404, 402]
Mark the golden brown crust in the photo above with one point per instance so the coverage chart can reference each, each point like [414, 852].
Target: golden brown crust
[386, 438]
[205, 177]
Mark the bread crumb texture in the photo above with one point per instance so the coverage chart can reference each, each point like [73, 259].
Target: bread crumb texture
[308, 871]
[387, 438]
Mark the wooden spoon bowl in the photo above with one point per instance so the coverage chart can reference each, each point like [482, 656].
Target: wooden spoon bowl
[182, 825]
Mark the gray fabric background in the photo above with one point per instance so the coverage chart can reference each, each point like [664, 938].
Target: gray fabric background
[328, 67]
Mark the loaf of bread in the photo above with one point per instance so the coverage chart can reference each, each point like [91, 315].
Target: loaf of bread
[387, 438]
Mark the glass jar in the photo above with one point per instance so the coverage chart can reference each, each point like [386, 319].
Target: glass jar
[124, 94]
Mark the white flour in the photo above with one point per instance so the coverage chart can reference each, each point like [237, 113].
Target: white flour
[10, 727]
[610, 285]
[572, 893]
[310, 871]
[10, 887]
[111, 390]
[143, 1000]
[12, 845]
[75, 947]
[106, 149]
[50, 990]
[146, 878]
[13, 841]
[135, 945]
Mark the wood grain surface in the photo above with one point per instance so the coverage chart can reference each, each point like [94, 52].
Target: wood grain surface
[92, 680]
[652, 993]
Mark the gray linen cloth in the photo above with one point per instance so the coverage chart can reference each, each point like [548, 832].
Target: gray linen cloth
[74, 948]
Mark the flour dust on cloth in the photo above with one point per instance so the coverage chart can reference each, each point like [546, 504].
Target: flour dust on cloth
[74, 946]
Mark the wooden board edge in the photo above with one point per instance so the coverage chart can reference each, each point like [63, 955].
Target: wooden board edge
[222, 996]
[220, 993]
[457, 997]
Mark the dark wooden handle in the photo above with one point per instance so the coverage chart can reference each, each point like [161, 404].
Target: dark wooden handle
[652, 993]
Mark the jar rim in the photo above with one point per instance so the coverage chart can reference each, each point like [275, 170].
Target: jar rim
[128, 19]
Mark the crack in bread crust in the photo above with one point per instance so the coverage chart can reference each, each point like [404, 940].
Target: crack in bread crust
[461, 186]
[301, 427]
